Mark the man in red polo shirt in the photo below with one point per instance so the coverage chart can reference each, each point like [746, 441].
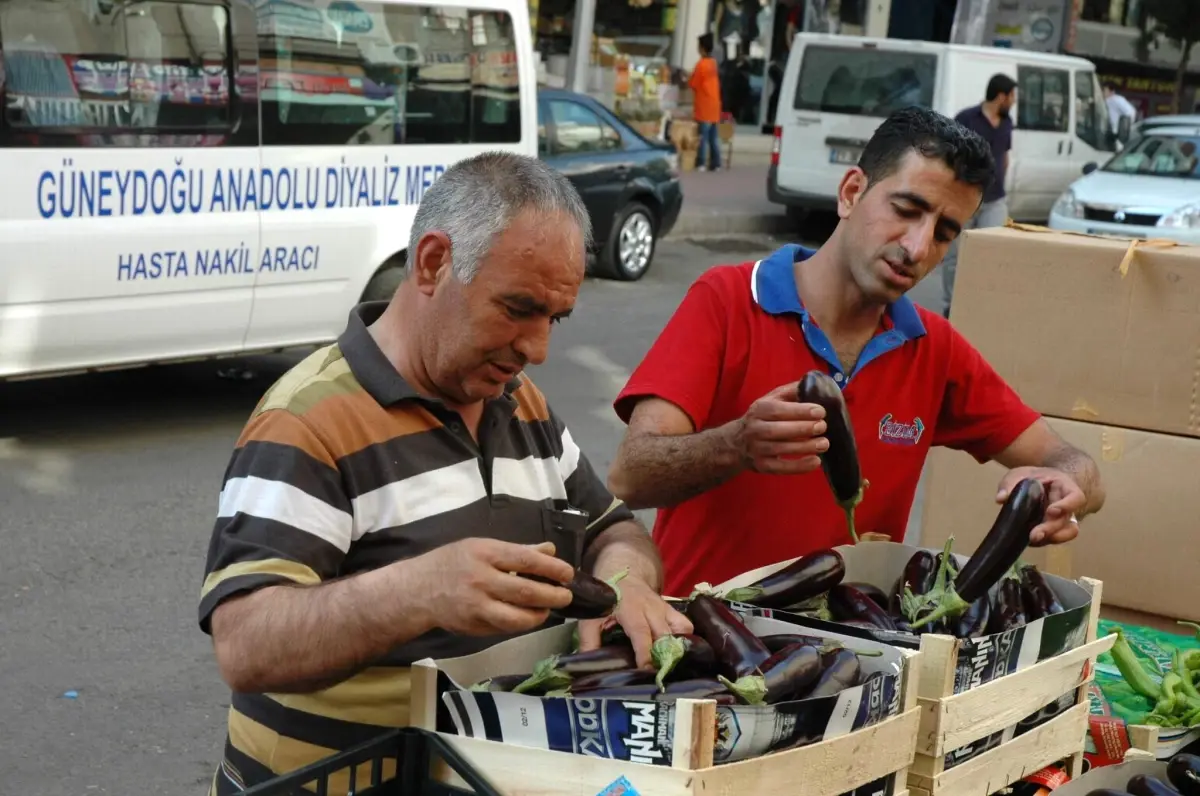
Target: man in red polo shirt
[717, 439]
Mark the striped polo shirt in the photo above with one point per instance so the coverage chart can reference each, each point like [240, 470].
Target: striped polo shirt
[343, 468]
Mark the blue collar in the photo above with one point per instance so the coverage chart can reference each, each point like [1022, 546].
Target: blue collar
[773, 284]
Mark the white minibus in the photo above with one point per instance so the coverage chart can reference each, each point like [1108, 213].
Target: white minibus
[837, 89]
[193, 178]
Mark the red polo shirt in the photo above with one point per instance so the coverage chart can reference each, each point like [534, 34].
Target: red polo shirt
[740, 332]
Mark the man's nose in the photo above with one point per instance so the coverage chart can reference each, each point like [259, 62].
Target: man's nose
[918, 242]
[534, 342]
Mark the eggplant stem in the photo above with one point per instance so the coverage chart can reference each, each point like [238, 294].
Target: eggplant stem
[666, 652]
[545, 672]
[706, 589]
[482, 685]
[615, 579]
[849, 506]
[948, 604]
[743, 594]
[751, 689]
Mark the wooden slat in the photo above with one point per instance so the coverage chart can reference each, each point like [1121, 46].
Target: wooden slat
[694, 734]
[1058, 738]
[953, 722]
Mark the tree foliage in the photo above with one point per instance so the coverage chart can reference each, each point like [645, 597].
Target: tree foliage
[1176, 21]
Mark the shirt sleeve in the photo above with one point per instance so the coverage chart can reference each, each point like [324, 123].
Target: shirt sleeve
[283, 514]
[683, 365]
[980, 413]
[585, 489]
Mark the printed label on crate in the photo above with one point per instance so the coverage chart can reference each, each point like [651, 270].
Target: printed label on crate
[620, 787]
[641, 731]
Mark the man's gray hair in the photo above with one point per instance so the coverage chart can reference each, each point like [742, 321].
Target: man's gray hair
[476, 199]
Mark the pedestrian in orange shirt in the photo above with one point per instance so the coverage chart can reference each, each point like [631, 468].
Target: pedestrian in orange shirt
[706, 105]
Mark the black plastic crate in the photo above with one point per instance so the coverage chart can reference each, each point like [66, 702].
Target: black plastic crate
[413, 749]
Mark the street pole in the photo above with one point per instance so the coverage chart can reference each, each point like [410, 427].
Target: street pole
[581, 45]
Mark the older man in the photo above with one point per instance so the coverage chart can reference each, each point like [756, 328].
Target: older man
[388, 487]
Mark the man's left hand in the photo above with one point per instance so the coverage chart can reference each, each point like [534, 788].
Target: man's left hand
[1065, 500]
[642, 614]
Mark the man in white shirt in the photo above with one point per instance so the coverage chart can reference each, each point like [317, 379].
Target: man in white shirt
[1118, 106]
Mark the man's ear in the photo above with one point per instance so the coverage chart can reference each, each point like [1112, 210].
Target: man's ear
[850, 190]
[432, 263]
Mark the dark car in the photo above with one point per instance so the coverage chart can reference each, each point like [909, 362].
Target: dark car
[630, 184]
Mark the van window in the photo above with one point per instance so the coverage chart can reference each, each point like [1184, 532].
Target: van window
[78, 68]
[864, 82]
[372, 74]
[1042, 96]
[1091, 113]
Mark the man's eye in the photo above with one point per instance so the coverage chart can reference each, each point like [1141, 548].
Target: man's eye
[906, 212]
[557, 319]
[516, 313]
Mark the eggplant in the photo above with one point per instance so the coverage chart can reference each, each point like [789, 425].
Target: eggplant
[591, 598]
[690, 654]
[1040, 599]
[612, 679]
[805, 578]
[974, 622]
[1008, 612]
[1147, 785]
[1184, 773]
[785, 675]
[698, 688]
[739, 652]
[840, 462]
[777, 641]
[917, 579]
[1007, 539]
[848, 603]
[874, 592]
[840, 671]
[504, 682]
[558, 671]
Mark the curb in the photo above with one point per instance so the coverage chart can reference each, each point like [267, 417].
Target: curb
[713, 221]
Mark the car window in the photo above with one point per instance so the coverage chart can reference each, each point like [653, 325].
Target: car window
[578, 129]
[863, 82]
[1091, 113]
[1042, 96]
[1159, 156]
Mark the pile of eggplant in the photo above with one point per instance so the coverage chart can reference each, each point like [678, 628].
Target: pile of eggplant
[994, 590]
[723, 661]
[1183, 779]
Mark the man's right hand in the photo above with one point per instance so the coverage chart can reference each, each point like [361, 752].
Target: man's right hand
[780, 435]
[471, 589]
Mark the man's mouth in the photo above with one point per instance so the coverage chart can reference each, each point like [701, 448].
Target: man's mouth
[900, 270]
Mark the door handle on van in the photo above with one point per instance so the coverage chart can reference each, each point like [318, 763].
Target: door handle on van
[856, 143]
[1060, 143]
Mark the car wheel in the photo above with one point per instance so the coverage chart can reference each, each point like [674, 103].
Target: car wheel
[383, 285]
[630, 246]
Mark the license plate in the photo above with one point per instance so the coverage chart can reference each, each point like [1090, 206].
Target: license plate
[844, 157]
[1108, 233]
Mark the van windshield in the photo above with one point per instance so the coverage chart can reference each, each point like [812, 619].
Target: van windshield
[864, 82]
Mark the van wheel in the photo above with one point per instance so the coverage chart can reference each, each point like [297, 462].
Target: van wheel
[630, 246]
[383, 285]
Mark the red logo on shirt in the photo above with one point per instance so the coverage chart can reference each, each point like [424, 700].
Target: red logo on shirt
[897, 433]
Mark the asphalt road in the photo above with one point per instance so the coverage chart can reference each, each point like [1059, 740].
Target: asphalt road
[108, 487]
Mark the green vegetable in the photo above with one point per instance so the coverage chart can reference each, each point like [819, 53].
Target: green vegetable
[1185, 676]
[1131, 669]
[1170, 685]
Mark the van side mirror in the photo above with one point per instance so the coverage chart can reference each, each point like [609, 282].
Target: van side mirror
[1123, 128]
[1088, 168]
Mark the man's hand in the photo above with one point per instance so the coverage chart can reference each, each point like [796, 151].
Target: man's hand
[1065, 500]
[471, 589]
[780, 435]
[642, 614]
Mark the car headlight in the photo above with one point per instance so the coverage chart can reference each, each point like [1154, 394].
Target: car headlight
[1186, 217]
[673, 161]
[1067, 205]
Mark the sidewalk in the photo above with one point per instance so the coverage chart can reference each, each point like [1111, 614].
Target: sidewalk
[730, 201]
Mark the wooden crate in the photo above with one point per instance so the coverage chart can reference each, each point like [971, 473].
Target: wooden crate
[950, 721]
[828, 768]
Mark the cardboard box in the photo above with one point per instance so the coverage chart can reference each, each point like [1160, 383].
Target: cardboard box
[1142, 544]
[1076, 337]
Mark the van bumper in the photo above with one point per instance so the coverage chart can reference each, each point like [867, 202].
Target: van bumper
[797, 199]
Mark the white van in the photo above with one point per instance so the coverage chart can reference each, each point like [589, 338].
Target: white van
[837, 89]
[190, 178]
